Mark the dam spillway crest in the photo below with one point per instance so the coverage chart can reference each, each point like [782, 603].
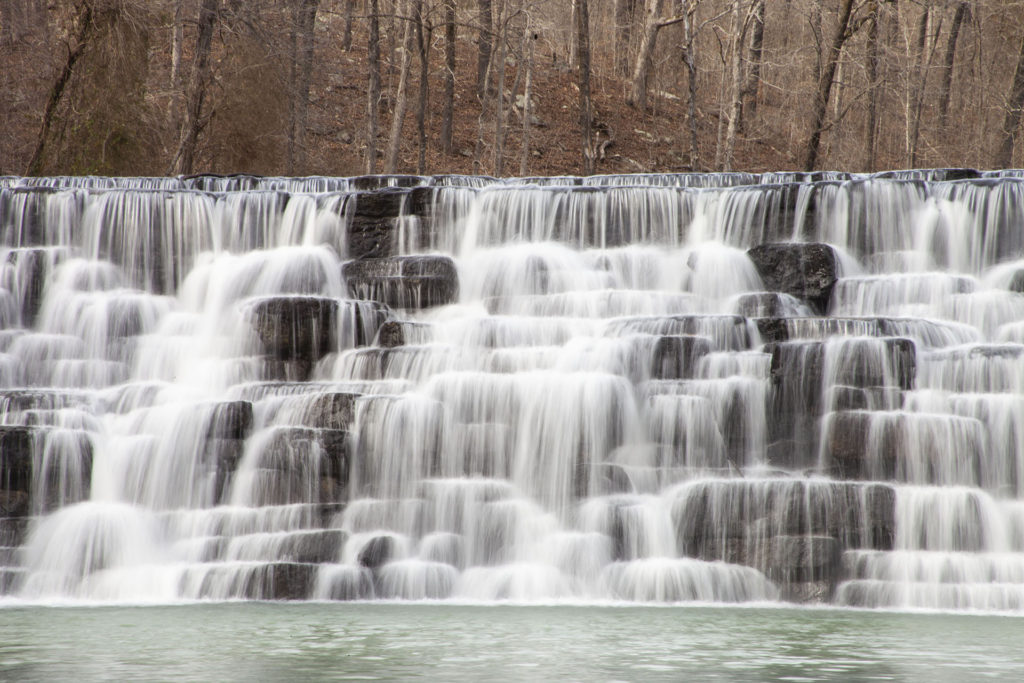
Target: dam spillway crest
[655, 388]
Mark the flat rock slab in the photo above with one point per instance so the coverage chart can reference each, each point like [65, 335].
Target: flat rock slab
[807, 271]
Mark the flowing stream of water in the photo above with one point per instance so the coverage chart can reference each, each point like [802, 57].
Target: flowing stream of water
[719, 388]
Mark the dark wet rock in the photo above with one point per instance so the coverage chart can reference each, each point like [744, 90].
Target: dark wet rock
[303, 328]
[772, 330]
[676, 357]
[350, 583]
[222, 457]
[391, 334]
[768, 305]
[10, 579]
[725, 332]
[403, 281]
[334, 410]
[14, 503]
[280, 581]
[794, 403]
[13, 531]
[807, 271]
[799, 559]
[30, 267]
[955, 174]
[737, 520]
[841, 397]
[302, 465]
[230, 420]
[17, 445]
[317, 546]
[386, 182]
[377, 552]
[865, 364]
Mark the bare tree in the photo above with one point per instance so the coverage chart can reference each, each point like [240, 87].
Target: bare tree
[824, 89]
[962, 10]
[586, 107]
[401, 93]
[303, 43]
[529, 37]
[194, 121]
[423, 31]
[82, 32]
[752, 86]
[449, 76]
[483, 60]
[622, 14]
[1011, 122]
[740, 23]
[373, 92]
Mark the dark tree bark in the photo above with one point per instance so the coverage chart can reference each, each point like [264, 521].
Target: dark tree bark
[583, 62]
[304, 24]
[690, 59]
[622, 13]
[194, 122]
[84, 24]
[642, 65]
[524, 151]
[950, 59]
[1014, 104]
[917, 101]
[824, 89]
[752, 87]
[483, 60]
[449, 76]
[401, 93]
[872, 71]
[373, 92]
[346, 31]
[423, 47]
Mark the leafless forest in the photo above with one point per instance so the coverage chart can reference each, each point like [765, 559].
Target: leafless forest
[507, 87]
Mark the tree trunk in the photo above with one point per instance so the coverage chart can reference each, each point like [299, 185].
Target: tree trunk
[950, 60]
[373, 92]
[499, 96]
[622, 14]
[483, 60]
[691, 75]
[645, 53]
[177, 36]
[449, 76]
[739, 26]
[85, 25]
[923, 64]
[1014, 104]
[422, 45]
[524, 151]
[752, 87]
[583, 60]
[184, 158]
[824, 89]
[872, 71]
[401, 94]
[346, 31]
[304, 22]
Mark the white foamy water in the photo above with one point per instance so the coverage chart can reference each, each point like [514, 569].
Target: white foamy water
[608, 405]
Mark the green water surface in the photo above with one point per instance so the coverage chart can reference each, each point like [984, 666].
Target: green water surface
[440, 642]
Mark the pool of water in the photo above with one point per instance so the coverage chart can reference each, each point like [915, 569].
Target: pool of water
[442, 642]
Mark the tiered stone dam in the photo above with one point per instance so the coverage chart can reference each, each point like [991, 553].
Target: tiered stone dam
[723, 388]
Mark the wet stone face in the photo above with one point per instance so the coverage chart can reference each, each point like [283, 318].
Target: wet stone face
[660, 387]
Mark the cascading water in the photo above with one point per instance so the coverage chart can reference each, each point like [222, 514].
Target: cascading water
[721, 387]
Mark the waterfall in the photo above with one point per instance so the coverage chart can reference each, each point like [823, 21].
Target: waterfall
[656, 387]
